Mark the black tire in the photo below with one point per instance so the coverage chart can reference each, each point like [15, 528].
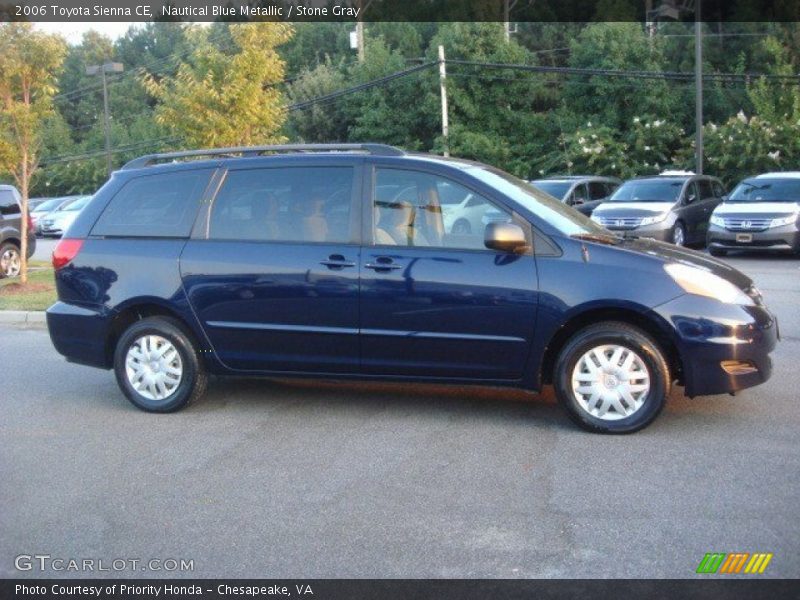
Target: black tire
[632, 338]
[194, 379]
[678, 229]
[717, 251]
[5, 266]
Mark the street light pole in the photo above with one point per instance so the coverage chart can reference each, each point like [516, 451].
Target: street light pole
[109, 67]
[698, 82]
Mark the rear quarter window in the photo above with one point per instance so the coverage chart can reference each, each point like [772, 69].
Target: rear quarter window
[158, 205]
[8, 203]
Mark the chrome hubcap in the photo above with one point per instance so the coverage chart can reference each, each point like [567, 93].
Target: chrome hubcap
[154, 368]
[10, 263]
[677, 237]
[610, 382]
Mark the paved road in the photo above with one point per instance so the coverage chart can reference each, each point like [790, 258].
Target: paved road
[266, 479]
[44, 249]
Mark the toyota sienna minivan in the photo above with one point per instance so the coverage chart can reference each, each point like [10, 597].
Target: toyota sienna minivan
[333, 261]
[672, 207]
[762, 213]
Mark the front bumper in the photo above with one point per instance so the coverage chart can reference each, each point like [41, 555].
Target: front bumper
[658, 231]
[712, 336]
[786, 239]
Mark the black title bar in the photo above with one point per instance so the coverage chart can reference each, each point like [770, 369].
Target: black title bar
[396, 10]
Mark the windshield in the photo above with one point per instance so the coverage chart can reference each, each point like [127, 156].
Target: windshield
[648, 190]
[766, 190]
[77, 204]
[557, 189]
[557, 214]
[48, 205]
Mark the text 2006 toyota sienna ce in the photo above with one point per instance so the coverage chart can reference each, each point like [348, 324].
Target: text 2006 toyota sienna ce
[334, 262]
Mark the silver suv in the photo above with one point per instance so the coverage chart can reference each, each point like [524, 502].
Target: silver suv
[672, 207]
[11, 232]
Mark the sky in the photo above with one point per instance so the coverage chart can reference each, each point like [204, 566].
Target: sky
[73, 32]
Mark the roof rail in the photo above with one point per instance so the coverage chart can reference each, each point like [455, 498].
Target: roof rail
[244, 151]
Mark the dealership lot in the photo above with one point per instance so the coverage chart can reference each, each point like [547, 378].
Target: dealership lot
[291, 479]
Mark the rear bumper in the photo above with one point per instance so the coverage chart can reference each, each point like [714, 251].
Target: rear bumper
[723, 348]
[786, 239]
[79, 333]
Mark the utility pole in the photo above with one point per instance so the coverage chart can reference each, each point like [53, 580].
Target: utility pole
[109, 67]
[443, 92]
[698, 82]
[360, 29]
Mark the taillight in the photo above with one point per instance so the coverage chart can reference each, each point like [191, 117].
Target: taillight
[65, 251]
[30, 223]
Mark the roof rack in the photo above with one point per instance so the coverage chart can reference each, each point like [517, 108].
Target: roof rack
[245, 151]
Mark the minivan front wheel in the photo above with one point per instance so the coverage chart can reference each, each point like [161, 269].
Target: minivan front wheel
[157, 365]
[612, 378]
[10, 260]
[679, 234]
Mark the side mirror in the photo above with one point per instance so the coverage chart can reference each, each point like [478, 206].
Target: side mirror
[690, 198]
[505, 237]
[724, 198]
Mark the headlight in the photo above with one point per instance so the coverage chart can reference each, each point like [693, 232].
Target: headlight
[652, 220]
[700, 282]
[787, 220]
[717, 220]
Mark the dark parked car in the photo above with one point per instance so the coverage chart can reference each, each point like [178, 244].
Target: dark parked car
[333, 261]
[11, 228]
[582, 192]
[673, 208]
[762, 213]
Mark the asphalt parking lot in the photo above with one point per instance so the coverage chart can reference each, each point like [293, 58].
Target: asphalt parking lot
[288, 479]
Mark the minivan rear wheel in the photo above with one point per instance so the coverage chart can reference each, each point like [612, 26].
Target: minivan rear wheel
[612, 378]
[157, 365]
[10, 260]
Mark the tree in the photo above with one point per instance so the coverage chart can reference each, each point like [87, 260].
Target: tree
[29, 60]
[217, 99]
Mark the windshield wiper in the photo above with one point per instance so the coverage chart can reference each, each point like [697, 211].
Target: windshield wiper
[601, 238]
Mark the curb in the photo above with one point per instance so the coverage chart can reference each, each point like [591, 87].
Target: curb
[21, 317]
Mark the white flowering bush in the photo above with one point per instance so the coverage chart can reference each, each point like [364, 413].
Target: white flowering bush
[746, 146]
[648, 147]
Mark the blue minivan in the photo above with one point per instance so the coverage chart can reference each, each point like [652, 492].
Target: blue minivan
[334, 261]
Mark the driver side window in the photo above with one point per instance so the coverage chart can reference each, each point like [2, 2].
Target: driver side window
[690, 194]
[412, 208]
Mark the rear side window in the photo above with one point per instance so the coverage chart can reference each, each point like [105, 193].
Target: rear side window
[158, 205]
[8, 203]
[309, 204]
[719, 191]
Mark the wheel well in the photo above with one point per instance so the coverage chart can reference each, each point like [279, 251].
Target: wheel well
[591, 317]
[14, 241]
[134, 313]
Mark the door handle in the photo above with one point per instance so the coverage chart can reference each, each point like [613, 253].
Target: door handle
[383, 263]
[337, 261]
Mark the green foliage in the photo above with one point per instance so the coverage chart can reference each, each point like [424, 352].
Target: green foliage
[217, 99]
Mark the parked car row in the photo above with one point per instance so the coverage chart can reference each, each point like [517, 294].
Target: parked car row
[52, 217]
[683, 208]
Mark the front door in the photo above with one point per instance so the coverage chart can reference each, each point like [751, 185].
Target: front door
[436, 302]
[275, 281]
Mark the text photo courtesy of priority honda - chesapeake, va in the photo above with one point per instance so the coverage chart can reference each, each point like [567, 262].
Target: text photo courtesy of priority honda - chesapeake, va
[368, 299]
